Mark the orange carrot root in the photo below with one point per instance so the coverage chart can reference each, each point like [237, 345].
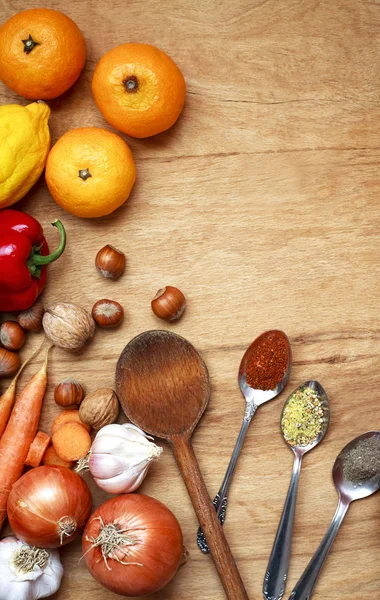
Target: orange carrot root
[37, 449]
[68, 416]
[71, 441]
[52, 458]
[8, 398]
[19, 434]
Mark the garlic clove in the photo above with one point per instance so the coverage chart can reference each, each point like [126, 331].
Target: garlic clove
[104, 466]
[137, 475]
[128, 449]
[125, 430]
[111, 436]
[110, 444]
[126, 482]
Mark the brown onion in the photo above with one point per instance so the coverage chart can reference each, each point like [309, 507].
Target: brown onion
[48, 506]
[132, 545]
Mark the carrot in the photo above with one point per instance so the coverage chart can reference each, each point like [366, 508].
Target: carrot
[52, 458]
[19, 434]
[8, 398]
[71, 441]
[68, 416]
[37, 449]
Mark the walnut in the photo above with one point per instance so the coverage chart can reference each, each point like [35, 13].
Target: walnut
[99, 408]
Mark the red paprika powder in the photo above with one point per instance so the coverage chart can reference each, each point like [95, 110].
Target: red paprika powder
[267, 359]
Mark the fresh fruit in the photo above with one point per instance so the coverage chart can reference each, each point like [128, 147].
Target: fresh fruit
[25, 143]
[139, 89]
[90, 172]
[42, 53]
[24, 256]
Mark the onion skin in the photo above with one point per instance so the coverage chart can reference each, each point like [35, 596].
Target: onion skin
[159, 545]
[40, 498]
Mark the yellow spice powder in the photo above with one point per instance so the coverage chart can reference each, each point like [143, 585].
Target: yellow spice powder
[302, 417]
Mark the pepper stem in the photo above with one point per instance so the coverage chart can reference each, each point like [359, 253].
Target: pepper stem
[36, 261]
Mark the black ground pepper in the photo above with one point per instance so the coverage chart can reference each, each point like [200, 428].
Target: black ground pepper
[362, 461]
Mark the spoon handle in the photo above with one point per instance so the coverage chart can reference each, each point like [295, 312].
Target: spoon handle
[221, 553]
[220, 500]
[305, 586]
[277, 570]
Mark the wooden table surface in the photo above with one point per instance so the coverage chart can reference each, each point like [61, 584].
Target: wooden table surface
[261, 204]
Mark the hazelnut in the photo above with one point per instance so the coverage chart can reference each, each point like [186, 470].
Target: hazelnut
[169, 303]
[12, 335]
[107, 313]
[110, 262]
[31, 319]
[9, 362]
[69, 393]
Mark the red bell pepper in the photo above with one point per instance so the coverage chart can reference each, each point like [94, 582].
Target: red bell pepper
[24, 255]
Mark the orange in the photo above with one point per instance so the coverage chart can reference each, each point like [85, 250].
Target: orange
[139, 89]
[90, 172]
[42, 53]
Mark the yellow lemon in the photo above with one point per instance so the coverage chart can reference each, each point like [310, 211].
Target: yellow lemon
[24, 143]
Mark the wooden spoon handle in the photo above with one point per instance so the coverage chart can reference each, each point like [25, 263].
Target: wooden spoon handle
[205, 511]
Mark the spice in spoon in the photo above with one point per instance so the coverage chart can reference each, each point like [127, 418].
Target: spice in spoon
[303, 417]
[267, 360]
[362, 461]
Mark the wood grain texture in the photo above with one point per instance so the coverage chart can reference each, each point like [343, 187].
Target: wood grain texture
[164, 387]
[261, 205]
[162, 384]
[219, 548]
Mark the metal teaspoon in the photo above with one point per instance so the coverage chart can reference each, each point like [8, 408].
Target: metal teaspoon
[348, 492]
[253, 398]
[277, 570]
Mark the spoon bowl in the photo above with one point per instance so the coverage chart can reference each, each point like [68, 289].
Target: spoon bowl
[350, 490]
[162, 383]
[325, 405]
[255, 395]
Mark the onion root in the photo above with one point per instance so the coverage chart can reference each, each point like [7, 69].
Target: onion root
[111, 538]
[67, 526]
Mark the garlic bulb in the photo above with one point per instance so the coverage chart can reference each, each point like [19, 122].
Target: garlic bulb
[27, 572]
[120, 458]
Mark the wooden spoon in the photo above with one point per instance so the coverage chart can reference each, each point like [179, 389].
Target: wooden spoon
[163, 387]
